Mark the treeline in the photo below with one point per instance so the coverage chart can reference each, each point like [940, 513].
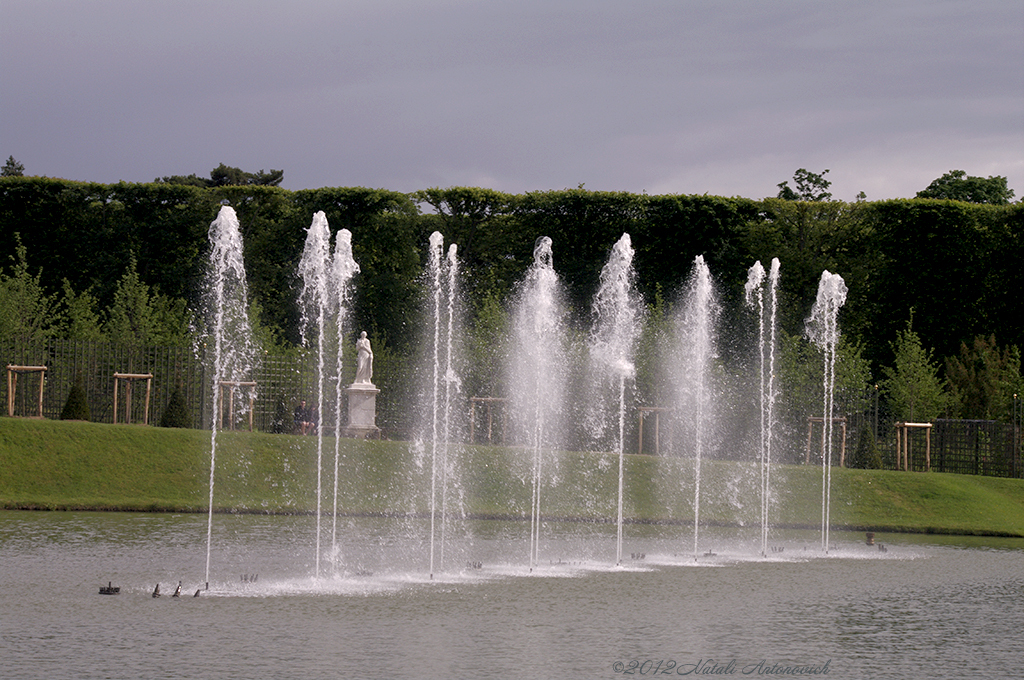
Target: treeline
[952, 268]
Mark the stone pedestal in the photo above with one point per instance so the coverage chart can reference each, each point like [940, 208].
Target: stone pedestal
[362, 411]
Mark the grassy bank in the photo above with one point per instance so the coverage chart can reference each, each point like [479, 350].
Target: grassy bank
[65, 465]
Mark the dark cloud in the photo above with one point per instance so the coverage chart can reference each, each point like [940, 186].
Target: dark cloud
[718, 97]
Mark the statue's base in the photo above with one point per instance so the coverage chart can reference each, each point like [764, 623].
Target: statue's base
[362, 412]
[361, 432]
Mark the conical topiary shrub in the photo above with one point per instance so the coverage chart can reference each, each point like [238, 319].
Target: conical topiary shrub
[176, 414]
[866, 455]
[77, 405]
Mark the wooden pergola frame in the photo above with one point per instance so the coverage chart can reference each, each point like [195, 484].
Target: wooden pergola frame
[488, 402]
[130, 379]
[657, 411]
[12, 384]
[903, 444]
[233, 385]
[842, 446]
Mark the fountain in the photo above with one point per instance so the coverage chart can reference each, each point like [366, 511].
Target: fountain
[696, 352]
[617, 310]
[442, 279]
[227, 324]
[754, 294]
[537, 381]
[823, 330]
[315, 302]
[343, 268]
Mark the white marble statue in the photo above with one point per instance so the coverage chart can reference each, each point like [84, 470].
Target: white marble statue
[364, 362]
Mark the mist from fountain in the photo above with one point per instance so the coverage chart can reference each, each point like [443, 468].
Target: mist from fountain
[227, 324]
[536, 370]
[442, 280]
[617, 311]
[696, 351]
[314, 303]
[754, 295]
[822, 328]
[343, 269]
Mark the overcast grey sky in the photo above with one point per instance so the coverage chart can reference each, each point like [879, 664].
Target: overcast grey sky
[674, 96]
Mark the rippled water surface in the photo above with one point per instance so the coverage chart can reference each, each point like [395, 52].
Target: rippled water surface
[925, 607]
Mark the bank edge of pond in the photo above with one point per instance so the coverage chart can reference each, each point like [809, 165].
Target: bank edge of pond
[53, 465]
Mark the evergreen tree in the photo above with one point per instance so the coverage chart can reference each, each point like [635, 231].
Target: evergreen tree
[912, 384]
[77, 315]
[77, 405]
[984, 379]
[176, 414]
[25, 309]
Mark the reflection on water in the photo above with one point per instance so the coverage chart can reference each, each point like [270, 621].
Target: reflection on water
[927, 607]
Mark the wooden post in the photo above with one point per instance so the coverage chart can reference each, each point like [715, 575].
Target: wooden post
[232, 385]
[129, 379]
[12, 385]
[657, 411]
[640, 444]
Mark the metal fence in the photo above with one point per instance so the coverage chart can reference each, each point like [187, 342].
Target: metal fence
[976, 447]
[280, 382]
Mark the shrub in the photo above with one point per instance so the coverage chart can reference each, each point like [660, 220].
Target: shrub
[77, 405]
[866, 456]
[176, 414]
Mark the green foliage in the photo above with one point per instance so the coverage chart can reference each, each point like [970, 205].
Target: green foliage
[12, 168]
[486, 349]
[800, 371]
[225, 175]
[77, 405]
[866, 455]
[284, 417]
[809, 187]
[957, 185]
[912, 385]
[176, 414]
[25, 308]
[983, 380]
[138, 317]
[77, 317]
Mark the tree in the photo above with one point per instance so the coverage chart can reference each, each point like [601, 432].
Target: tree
[227, 176]
[77, 405]
[913, 384]
[224, 175]
[25, 308]
[138, 316]
[957, 185]
[12, 168]
[984, 379]
[176, 414]
[77, 317]
[809, 187]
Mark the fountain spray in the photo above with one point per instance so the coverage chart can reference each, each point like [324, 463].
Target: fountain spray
[697, 333]
[823, 330]
[314, 301]
[536, 369]
[226, 303]
[754, 292]
[617, 310]
[343, 268]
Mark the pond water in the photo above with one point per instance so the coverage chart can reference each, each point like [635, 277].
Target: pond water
[930, 607]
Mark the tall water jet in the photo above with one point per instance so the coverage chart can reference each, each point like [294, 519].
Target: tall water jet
[227, 324]
[823, 329]
[536, 370]
[343, 268]
[617, 310]
[442, 281]
[696, 352]
[754, 293]
[314, 302]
